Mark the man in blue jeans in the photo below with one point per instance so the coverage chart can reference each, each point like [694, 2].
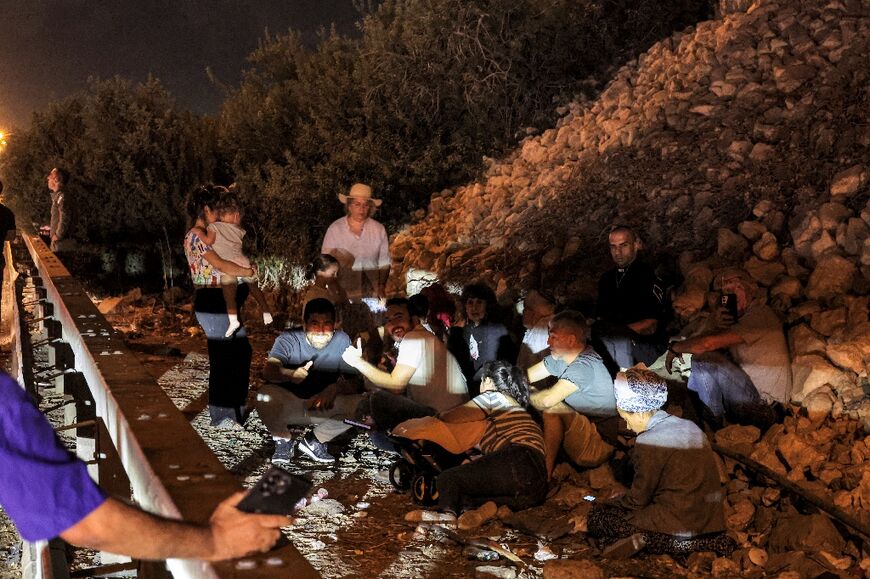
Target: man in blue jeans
[737, 370]
[48, 493]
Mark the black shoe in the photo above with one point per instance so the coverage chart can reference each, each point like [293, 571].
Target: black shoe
[284, 451]
[314, 449]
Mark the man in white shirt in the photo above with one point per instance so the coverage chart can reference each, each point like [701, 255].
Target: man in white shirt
[538, 310]
[426, 379]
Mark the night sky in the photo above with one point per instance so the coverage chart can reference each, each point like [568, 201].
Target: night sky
[48, 48]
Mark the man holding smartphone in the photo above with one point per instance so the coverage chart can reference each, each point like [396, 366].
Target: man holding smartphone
[738, 369]
[47, 492]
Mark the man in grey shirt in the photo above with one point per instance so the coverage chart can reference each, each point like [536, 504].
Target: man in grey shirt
[582, 394]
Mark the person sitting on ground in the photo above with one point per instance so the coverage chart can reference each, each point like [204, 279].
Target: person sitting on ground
[313, 385]
[581, 401]
[676, 497]
[736, 370]
[630, 306]
[538, 309]
[481, 338]
[323, 275]
[425, 380]
[512, 470]
[225, 238]
[47, 492]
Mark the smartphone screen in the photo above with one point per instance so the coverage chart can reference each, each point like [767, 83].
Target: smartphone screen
[729, 302]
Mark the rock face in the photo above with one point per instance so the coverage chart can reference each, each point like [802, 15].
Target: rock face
[768, 102]
[745, 138]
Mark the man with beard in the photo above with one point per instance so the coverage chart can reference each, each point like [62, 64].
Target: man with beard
[312, 385]
[426, 379]
[630, 306]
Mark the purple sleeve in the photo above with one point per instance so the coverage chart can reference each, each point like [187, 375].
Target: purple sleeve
[43, 487]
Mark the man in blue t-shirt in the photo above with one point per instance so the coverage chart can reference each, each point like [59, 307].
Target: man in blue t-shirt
[48, 493]
[313, 385]
[582, 395]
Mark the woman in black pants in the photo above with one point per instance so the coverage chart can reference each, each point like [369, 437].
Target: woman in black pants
[229, 358]
[512, 470]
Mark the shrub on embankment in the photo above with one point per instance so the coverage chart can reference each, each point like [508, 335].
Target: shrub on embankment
[132, 156]
[414, 103]
[768, 102]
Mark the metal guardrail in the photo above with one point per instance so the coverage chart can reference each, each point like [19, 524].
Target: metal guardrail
[171, 470]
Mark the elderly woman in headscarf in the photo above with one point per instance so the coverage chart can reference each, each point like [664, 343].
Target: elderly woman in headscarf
[676, 498]
[360, 244]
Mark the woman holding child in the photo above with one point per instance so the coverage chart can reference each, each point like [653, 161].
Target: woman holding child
[229, 357]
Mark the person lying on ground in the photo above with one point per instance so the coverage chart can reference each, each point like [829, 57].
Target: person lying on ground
[512, 470]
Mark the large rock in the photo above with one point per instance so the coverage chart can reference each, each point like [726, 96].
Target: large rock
[752, 230]
[850, 181]
[829, 322]
[806, 533]
[851, 355]
[812, 372]
[833, 214]
[764, 272]
[798, 454]
[819, 403]
[831, 278]
[572, 569]
[767, 248]
[731, 245]
[803, 340]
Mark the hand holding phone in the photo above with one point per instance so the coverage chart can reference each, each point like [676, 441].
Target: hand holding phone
[276, 493]
[729, 302]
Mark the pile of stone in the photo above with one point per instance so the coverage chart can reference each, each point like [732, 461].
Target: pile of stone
[766, 102]
[817, 275]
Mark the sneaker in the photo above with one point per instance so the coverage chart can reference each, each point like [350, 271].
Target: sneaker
[284, 451]
[314, 449]
[227, 423]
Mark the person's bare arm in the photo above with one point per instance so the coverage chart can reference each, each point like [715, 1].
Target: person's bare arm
[468, 412]
[227, 267]
[700, 345]
[116, 527]
[708, 343]
[645, 327]
[395, 381]
[544, 399]
[275, 372]
[537, 373]
[208, 236]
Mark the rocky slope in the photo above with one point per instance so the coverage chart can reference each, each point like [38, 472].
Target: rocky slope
[746, 139]
[768, 102]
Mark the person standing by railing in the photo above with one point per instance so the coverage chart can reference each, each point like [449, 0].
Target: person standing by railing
[229, 358]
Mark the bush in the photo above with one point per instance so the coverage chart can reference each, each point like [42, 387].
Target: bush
[132, 156]
[414, 104]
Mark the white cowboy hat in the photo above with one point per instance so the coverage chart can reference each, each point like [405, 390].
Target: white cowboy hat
[360, 191]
